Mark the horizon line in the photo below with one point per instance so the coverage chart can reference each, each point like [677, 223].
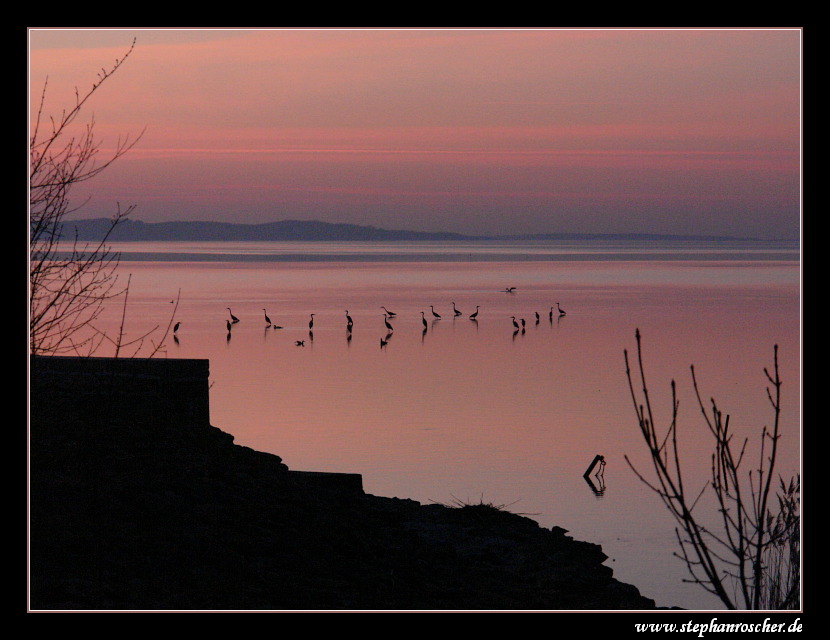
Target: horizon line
[459, 234]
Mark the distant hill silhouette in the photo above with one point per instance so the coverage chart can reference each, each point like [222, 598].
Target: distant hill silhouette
[134, 230]
[308, 230]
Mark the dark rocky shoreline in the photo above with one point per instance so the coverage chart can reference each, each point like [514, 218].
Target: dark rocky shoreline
[129, 512]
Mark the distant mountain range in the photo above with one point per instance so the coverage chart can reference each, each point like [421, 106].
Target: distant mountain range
[302, 230]
[135, 230]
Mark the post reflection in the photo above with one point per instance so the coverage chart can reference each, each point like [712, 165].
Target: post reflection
[598, 487]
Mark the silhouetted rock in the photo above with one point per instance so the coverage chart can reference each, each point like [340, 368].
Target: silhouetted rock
[134, 506]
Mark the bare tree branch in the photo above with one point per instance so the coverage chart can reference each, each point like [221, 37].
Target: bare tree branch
[753, 561]
[70, 282]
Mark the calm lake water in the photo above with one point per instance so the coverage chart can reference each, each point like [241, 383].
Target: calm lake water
[468, 410]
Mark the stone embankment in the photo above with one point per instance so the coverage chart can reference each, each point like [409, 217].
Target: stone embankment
[138, 503]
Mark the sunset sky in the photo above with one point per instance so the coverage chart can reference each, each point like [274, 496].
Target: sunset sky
[474, 131]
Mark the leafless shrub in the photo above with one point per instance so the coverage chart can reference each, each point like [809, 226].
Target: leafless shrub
[71, 281]
[752, 559]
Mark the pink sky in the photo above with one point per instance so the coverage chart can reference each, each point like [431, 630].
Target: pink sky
[474, 131]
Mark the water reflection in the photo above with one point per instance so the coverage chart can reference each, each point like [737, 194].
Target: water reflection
[597, 489]
[597, 466]
[561, 249]
[471, 411]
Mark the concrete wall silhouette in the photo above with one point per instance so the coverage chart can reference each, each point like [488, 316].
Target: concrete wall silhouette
[154, 392]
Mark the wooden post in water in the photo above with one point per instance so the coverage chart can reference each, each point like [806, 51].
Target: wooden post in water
[597, 459]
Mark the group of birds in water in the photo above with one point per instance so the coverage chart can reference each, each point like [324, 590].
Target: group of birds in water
[518, 325]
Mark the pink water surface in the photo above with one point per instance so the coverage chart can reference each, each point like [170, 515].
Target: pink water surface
[468, 410]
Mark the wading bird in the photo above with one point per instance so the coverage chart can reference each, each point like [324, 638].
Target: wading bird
[391, 314]
[561, 310]
[436, 315]
[176, 328]
[455, 311]
[424, 320]
[550, 314]
[234, 319]
[474, 314]
[349, 321]
[311, 322]
[515, 324]
[267, 319]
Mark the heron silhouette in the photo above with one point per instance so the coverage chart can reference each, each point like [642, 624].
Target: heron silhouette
[550, 314]
[455, 311]
[234, 319]
[311, 322]
[349, 320]
[561, 310]
[176, 328]
[474, 314]
[424, 320]
[515, 324]
[435, 314]
[267, 319]
[391, 314]
[386, 322]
